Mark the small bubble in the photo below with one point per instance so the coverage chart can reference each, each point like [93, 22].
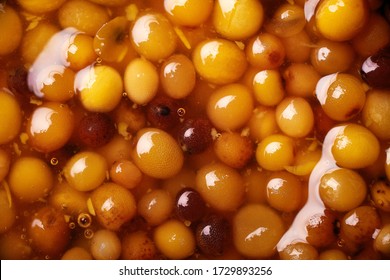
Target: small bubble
[181, 112]
[88, 233]
[54, 161]
[23, 236]
[47, 257]
[340, 242]
[72, 225]
[99, 60]
[84, 220]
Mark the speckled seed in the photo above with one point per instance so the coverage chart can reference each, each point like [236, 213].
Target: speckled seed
[221, 186]
[189, 205]
[212, 235]
[233, 149]
[194, 135]
[157, 153]
[96, 129]
[49, 232]
[138, 246]
[114, 205]
[360, 224]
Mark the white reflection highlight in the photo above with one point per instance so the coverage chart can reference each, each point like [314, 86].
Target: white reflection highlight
[78, 167]
[170, 5]
[336, 6]
[224, 101]
[37, 223]
[85, 78]
[41, 120]
[206, 230]
[209, 51]
[211, 179]
[171, 69]
[275, 184]
[183, 201]
[369, 65]
[289, 112]
[260, 77]
[322, 87]
[338, 92]
[352, 220]
[53, 59]
[145, 143]
[107, 205]
[258, 47]
[152, 203]
[227, 6]
[323, 53]
[141, 29]
[332, 183]
[309, 8]
[342, 142]
[257, 232]
[273, 147]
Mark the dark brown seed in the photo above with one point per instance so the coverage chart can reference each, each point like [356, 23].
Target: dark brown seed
[161, 112]
[17, 80]
[96, 129]
[49, 232]
[195, 135]
[212, 235]
[190, 206]
[322, 229]
[376, 69]
[360, 224]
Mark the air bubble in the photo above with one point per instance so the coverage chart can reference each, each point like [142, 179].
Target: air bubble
[54, 161]
[88, 233]
[84, 220]
[340, 242]
[181, 112]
